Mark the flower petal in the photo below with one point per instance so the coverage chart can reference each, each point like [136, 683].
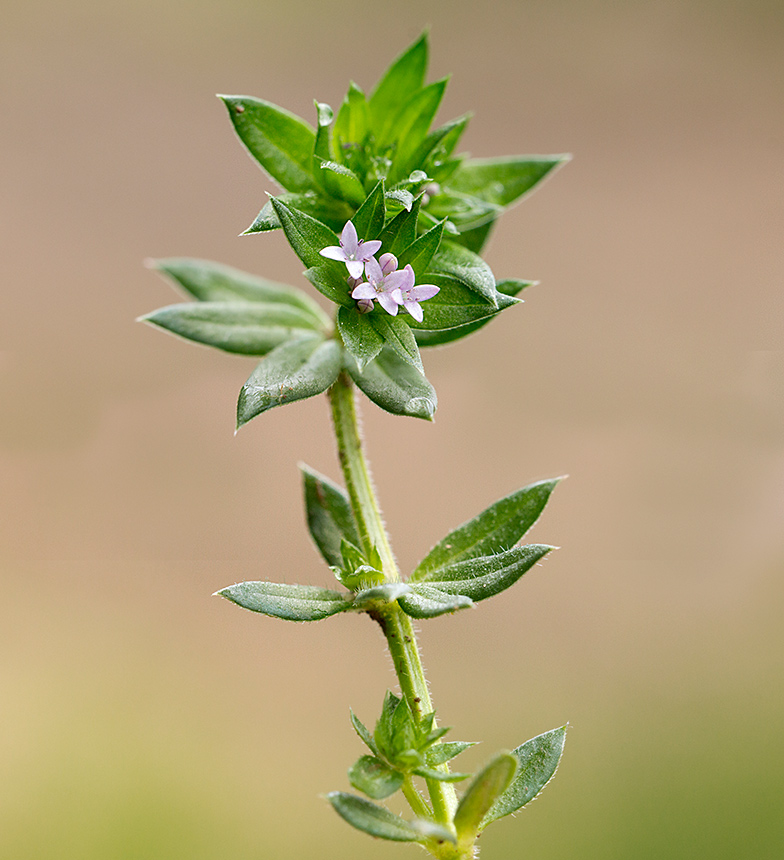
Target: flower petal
[388, 303]
[355, 268]
[422, 292]
[367, 249]
[363, 291]
[334, 252]
[348, 238]
[373, 271]
[414, 309]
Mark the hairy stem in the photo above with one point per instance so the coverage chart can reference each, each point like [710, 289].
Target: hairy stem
[396, 625]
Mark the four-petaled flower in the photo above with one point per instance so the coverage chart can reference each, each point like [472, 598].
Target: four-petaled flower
[383, 282]
[352, 251]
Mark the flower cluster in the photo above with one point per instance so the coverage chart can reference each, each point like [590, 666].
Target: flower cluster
[393, 288]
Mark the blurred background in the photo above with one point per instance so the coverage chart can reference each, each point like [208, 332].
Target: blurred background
[142, 718]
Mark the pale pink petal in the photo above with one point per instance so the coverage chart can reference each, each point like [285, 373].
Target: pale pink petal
[414, 309]
[348, 238]
[422, 292]
[367, 249]
[363, 291]
[334, 252]
[399, 280]
[373, 271]
[355, 268]
[388, 263]
[388, 303]
[397, 297]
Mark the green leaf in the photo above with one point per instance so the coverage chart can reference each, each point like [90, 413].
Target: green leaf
[330, 519]
[451, 299]
[398, 336]
[412, 126]
[289, 602]
[400, 82]
[297, 369]
[281, 142]
[480, 795]
[537, 762]
[425, 601]
[480, 578]
[504, 180]
[395, 386]
[306, 235]
[436, 148]
[359, 335]
[373, 819]
[364, 734]
[455, 305]
[475, 238]
[401, 231]
[322, 147]
[496, 528]
[352, 124]
[369, 218]
[420, 252]
[333, 213]
[374, 778]
[442, 753]
[342, 182]
[400, 197]
[467, 267]
[213, 282]
[247, 328]
[331, 281]
[464, 210]
[440, 775]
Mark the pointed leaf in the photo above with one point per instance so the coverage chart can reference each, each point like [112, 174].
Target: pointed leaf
[441, 753]
[400, 82]
[342, 182]
[281, 142]
[480, 795]
[475, 238]
[455, 305]
[359, 335]
[420, 252]
[380, 595]
[398, 336]
[330, 519]
[496, 528]
[352, 124]
[364, 734]
[440, 775]
[412, 126]
[373, 819]
[289, 602]
[451, 299]
[307, 236]
[374, 778]
[480, 578]
[246, 328]
[401, 230]
[436, 148]
[503, 180]
[398, 197]
[426, 601]
[395, 385]
[463, 210]
[322, 147]
[466, 267]
[537, 763]
[297, 369]
[213, 282]
[333, 213]
[369, 218]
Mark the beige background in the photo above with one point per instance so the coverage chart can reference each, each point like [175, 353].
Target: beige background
[142, 718]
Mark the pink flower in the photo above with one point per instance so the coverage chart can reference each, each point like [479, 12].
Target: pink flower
[352, 251]
[382, 281]
[410, 297]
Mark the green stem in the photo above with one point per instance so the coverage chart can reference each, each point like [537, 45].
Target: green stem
[396, 625]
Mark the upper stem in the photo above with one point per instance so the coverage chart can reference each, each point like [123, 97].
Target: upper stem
[396, 625]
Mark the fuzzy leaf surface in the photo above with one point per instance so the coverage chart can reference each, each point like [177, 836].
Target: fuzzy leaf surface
[480, 795]
[333, 213]
[412, 126]
[537, 762]
[395, 385]
[373, 819]
[289, 602]
[374, 778]
[369, 218]
[402, 80]
[306, 235]
[364, 734]
[397, 336]
[329, 515]
[359, 335]
[466, 267]
[486, 576]
[494, 530]
[427, 601]
[442, 753]
[246, 328]
[281, 142]
[295, 370]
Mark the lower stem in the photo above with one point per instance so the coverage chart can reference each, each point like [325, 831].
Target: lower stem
[395, 624]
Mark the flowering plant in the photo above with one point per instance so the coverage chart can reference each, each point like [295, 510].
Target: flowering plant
[404, 274]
